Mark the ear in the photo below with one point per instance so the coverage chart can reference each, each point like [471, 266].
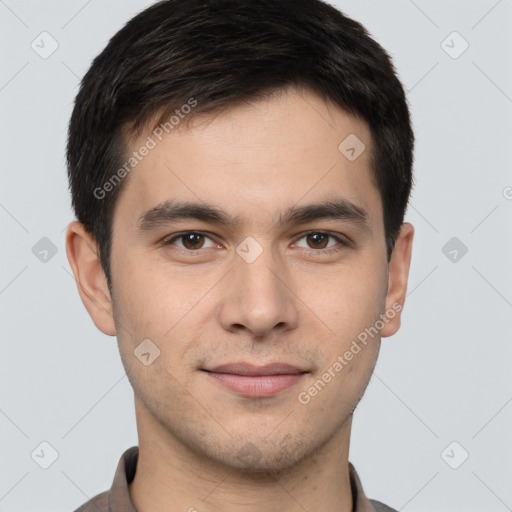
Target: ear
[83, 256]
[398, 277]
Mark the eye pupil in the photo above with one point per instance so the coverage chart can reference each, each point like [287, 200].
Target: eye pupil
[189, 240]
[316, 236]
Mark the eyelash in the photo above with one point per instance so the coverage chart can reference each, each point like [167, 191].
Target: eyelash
[341, 242]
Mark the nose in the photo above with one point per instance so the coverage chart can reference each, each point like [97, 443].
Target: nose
[259, 297]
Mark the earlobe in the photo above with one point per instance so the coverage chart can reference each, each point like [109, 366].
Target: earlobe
[83, 257]
[398, 277]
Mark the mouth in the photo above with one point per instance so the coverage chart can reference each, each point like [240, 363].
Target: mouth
[252, 381]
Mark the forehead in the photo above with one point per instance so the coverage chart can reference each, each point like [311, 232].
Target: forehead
[255, 159]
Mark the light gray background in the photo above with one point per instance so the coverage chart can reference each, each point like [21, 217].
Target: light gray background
[444, 377]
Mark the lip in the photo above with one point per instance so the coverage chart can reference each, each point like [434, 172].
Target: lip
[243, 368]
[252, 381]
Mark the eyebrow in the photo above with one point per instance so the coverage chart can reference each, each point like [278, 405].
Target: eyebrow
[172, 211]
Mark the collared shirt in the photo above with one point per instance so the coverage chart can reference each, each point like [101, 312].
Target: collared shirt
[117, 499]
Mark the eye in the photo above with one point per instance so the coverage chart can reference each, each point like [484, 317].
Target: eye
[318, 241]
[191, 240]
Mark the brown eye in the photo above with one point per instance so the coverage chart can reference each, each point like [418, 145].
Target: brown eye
[191, 240]
[319, 240]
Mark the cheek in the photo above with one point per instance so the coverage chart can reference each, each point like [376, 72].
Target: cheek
[149, 305]
[352, 300]
[340, 384]
[147, 300]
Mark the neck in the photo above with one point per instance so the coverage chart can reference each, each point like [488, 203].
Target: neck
[170, 477]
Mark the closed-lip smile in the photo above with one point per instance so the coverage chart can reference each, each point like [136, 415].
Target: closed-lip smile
[255, 381]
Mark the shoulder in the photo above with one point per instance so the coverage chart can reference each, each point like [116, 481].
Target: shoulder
[97, 504]
[380, 507]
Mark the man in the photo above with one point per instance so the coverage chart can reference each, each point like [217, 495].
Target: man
[240, 171]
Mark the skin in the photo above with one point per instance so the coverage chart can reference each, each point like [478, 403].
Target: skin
[290, 305]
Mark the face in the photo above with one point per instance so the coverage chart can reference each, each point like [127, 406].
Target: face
[276, 286]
